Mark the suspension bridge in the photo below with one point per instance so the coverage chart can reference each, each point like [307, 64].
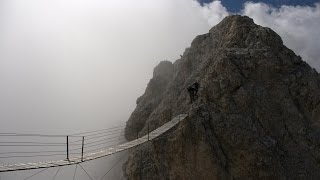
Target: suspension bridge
[75, 156]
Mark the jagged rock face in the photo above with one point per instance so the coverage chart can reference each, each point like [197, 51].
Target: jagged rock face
[257, 115]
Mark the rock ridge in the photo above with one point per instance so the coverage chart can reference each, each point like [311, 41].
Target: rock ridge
[257, 115]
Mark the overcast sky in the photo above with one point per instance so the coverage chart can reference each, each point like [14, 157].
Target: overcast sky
[81, 64]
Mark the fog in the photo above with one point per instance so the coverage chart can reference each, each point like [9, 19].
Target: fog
[74, 65]
[79, 65]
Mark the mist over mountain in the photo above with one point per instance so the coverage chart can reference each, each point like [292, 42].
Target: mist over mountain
[257, 115]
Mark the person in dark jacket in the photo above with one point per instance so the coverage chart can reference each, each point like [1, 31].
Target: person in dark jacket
[193, 91]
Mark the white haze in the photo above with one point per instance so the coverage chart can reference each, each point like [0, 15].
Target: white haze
[79, 65]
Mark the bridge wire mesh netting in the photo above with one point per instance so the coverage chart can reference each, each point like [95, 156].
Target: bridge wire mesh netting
[14, 146]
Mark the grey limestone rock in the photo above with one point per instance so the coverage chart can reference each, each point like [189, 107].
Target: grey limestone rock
[257, 115]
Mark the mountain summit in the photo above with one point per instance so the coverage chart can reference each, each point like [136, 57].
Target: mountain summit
[257, 115]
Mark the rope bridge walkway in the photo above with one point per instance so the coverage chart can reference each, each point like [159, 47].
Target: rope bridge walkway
[87, 140]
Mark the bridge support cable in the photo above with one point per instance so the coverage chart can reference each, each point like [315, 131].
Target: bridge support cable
[114, 165]
[75, 171]
[68, 148]
[60, 135]
[36, 173]
[97, 136]
[82, 148]
[86, 172]
[55, 175]
[107, 129]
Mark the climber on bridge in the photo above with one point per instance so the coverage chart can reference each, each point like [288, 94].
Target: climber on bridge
[193, 91]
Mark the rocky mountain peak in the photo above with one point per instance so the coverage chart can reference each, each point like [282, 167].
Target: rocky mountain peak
[240, 31]
[257, 114]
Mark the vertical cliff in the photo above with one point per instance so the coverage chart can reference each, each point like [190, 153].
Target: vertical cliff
[257, 114]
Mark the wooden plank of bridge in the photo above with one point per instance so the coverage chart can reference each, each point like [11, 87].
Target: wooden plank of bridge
[95, 155]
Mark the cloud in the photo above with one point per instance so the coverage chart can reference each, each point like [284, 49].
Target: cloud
[214, 12]
[298, 26]
[85, 62]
